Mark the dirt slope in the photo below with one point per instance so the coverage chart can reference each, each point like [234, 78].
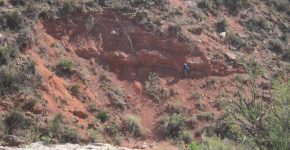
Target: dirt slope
[113, 56]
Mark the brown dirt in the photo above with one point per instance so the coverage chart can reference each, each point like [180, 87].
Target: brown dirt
[92, 49]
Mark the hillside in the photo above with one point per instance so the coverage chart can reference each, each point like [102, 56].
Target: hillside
[111, 71]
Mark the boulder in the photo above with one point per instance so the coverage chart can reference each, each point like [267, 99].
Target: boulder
[223, 34]
[230, 56]
[79, 113]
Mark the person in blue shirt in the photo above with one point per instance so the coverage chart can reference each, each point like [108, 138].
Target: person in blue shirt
[185, 69]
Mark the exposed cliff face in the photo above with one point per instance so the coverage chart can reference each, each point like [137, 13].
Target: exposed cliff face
[124, 44]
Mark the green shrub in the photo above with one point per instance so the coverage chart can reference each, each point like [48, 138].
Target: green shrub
[2, 2]
[196, 31]
[117, 97]
[187, 137]
[16, 121]
[282, 5]
[193, 146]
[68, 7]
[137, 2]
[196, 12]
[203, 4]
[154, 89]
[7, 80]
[18, 2]
[286, 55]
[112, 129]
[132, 124]
[65, 66]
[29, 104]
[276, 45]
[70, 136]
[55, 126]
[174, 126]
[31, 66]
[235, 5]
[235, 40]
[103, 116]
[175, 30]
[92, 108]
[14, 20]
[214, 143]
[118, 140]
[257, 25]
[254, 69]
[115, 94]
[25, 38]
[221, 26]
[6, 54]
[75, 90]
[61, 132]
[210, 84]
[32, 11]
[205, 116]
[102, 2]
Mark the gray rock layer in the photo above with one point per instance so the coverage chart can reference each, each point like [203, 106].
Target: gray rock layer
[41, 146]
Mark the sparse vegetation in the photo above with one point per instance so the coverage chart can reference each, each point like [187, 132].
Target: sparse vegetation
[196, 31]
[132, 125]
[193, 146]
[154, 89]
[75, 90]
[115, 94]
[235, 5]
[235, 40]
[221, 26]
[14, 20]
[68, 7]
[2, 2]
[65, 67]
[29, 104]
[57, 130]
[205, 116]
[173, 126]
[276, 45]
[7, 80]
[103, 116]
[25, 38]
[255, 117]
[18, 2]
[257, 25]
[210, 84]
[282, 5]
[92, 108]
[6, 54]
[17, 121]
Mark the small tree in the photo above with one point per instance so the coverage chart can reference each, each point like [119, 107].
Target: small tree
[267, 124]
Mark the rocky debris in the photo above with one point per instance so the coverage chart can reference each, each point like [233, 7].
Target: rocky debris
[88, 53]
[41, 146]
[137, 86]
[223, 34]
[230, 56]
[12, 140]
[79, 113]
